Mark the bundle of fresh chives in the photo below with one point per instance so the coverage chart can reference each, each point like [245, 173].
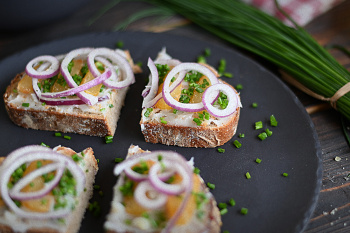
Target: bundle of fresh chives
[290, 48]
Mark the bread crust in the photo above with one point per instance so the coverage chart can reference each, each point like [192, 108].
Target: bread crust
[201, 136]
[77, 122]
[81, 208]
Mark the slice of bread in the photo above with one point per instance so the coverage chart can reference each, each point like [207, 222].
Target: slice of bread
[178, 128]
[204, 218]
[25, 110]
[11, 223]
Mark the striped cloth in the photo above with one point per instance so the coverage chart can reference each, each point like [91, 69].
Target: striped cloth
[302, 11]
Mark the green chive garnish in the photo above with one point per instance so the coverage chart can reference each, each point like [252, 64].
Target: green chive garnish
[43, 144]
[237, 144]
[221, 150]
[163, 121]
[118, 160]
[58, 134]
[244, 211]
[285, 174]
[67, 137]
[196, 170]
[273, 120]
[210, 185]
[148, 112]
[25, 105]
[239, 87]
[223, 211]
[258, 125]
[258, 160]
[262, 136]
[268, 132]
[254, 105]
[232, 202]
[248, 176]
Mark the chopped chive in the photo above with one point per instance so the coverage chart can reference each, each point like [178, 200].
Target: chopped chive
[43, 144]
[175, 111]
[207, 52]
[228, 75]
[118, 160]
[43, 103]
[67, 137]
[25, 104]
[273, 120]
[162, 120]
[196, 170]
[148, 112]
[239, 87]
[223, 211]
[285, 174]
[109, 139]
[254, 105]
[110, 105]
[241, 135]
[119, 44]
[222, 205]
[237, 144]
[57, 134]
[248, 176]
[262, 136]
[232, 202]
[244, 211]
[221, 150]
[258, 160]
[258, 125]
[210, 185]
[268, 132]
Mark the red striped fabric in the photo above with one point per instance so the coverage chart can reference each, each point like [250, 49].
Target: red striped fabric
[302, 11]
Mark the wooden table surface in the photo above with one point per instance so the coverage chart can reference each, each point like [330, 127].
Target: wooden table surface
[332, 213]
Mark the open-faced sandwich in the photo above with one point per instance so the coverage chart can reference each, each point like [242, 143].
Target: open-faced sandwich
[45, 190]
[80, 92]
[160, 191]
[186, 104]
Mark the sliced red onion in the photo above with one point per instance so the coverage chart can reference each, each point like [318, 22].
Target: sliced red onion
[60, 101]
[169, 189]
[33, 153]
[15, 192]
[169, 62]
[87, 98]
[148, 197]
[120, 61]
[186, 107]
[43, 74]
[135, 176]
[152, 87]
[152, 102]
[83, 87]
[211, 93]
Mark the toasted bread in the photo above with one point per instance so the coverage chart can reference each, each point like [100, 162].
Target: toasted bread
[96, 120]
[163, 125]
[206, 218]
[11, 223]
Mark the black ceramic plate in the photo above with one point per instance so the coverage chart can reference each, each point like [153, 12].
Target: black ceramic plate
[275, 203]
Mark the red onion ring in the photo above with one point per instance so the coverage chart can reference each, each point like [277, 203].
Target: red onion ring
[59, 101]
[15, 192]
[87, 98]
[211, 93]
[169, 189]
[32, 153]
[152, 203]
[122, 63]
[152, 87]
[187, 107]
[80, 88]
[51, 71]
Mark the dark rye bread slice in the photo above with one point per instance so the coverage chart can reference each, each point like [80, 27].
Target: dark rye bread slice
[91, 122]
[212, 222]
[77, 214]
